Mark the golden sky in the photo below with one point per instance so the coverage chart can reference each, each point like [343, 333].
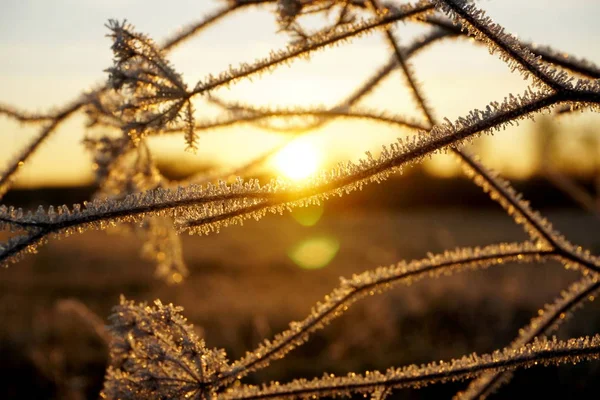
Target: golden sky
[51, 51]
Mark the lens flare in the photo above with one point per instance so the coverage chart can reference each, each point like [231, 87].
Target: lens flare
[315, 252]
[308, 216]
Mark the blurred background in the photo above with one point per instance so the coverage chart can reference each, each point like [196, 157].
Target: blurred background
[246, 283]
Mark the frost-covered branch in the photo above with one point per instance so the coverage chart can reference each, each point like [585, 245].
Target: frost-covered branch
[548, 320]
[319, 42]
[57, 118]
[493, 35]
[155, 96]
[378, 281]
[536, 227]
[501, 191]
[343, 106]
[24, 116]
[191, 30]
[545, 53]
[154, 349]
[267, 113]
[248, 199]
[540, 352]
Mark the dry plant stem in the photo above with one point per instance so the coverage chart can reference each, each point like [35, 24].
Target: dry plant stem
[557, 311]
[460, 260]
[56, 119]
[541, 352]
[428, 146]
[503, 189]
[400, 58]
[207, 21]
[567, 61]
[23, 116]
[547, 54]
[191, 30]
[461, 9]
[40, 230]
[333, 113]
[482, 385]
[227, 78]
[362, 91]
[554, 315]
[110, 214]
[299, 51]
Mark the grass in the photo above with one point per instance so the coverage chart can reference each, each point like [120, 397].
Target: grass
[236, 296]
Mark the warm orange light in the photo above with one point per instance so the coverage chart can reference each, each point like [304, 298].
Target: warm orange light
[298, 160]
[442, 166]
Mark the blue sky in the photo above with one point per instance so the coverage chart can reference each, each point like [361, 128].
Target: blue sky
[51, 50]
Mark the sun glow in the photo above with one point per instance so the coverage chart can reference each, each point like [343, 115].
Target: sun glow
[298, 160]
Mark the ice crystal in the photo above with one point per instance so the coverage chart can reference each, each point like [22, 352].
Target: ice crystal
[537, 227]
[377, 281]
[207, 209]
[106, 151]
[303, 49]
[154, 95]
[509, 48]
[290, 11]
[380, 393]
[122, 170]
[307, 118]
[548, 320]
[540, 352]
[156, 354]
[163, 246]
[579, 65]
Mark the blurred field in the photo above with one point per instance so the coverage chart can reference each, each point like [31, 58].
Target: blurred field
[244, 287]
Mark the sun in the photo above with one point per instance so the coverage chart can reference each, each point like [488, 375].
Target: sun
[298, 160]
